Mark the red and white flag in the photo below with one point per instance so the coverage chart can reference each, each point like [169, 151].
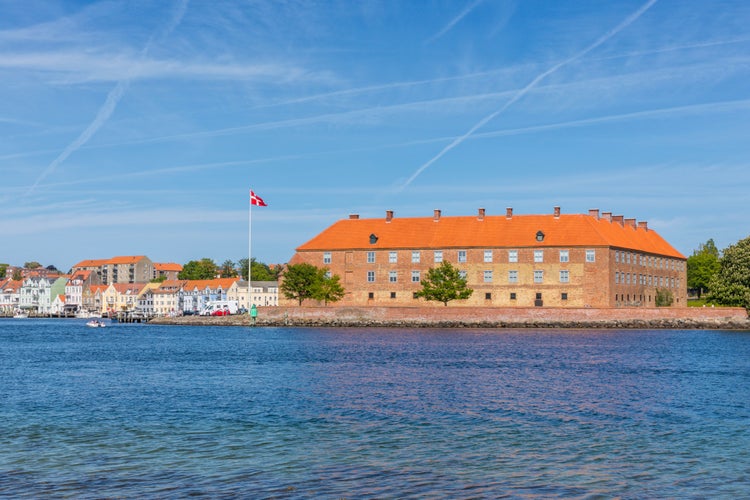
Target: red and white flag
[256, 200]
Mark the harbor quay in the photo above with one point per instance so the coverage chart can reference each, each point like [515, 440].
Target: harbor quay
[735, 318]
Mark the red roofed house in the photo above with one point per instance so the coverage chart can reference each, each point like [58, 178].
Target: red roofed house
[168, 270]
[125, 269]
[557, 260]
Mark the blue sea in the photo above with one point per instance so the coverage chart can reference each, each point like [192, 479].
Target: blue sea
[146, 411]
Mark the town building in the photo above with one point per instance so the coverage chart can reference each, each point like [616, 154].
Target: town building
[124, 269]
[166, 270]
[10, 296]
[261, 294]
[554, 260]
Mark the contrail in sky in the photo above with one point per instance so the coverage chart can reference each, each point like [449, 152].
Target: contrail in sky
[456, 142]
[455, 20]
[104, 113]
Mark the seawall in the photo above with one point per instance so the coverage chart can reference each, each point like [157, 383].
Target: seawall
[734, 318]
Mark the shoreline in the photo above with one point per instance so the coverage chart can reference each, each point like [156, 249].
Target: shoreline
[497, 318]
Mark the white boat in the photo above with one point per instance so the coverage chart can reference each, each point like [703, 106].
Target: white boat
[20, 314]
[95, 323]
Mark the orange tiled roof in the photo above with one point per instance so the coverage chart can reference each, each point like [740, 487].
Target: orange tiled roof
[167, 266]
[566, 230]
[126, 259]
[90, 263]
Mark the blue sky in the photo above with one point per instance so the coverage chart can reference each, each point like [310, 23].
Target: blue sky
[138, 127]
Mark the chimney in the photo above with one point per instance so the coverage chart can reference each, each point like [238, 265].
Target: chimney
[607, 215]
[388, 215]
[618, 219]
[353, 216]
[480, 214]
[509, 213]
[643, 225]
[630, 222]
[557, 212]
[436, 216]
[594, 212]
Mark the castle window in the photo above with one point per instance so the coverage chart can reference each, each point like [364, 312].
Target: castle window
[512, 295]
[370, 276]
[564, 296]
[438, 256]
[462, 275]
[370, 257]
[538, 276]
[371, 295]
[488, 276]
[564, 276]
[564, 255]
[415, 276]
[462, 255]
[392, 257]
[373, 239]
[488, 296]
[512, 255]
[393, 295]
[326, 257]
[392, 276]
[590, 255]
[538, 255]
[512, 276]
[539, 236]
[488, 255]
[415, 256]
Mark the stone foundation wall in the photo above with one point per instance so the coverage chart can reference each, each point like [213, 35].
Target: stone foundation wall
[475, 317]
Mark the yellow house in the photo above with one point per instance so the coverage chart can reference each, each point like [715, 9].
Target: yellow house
[121, 297]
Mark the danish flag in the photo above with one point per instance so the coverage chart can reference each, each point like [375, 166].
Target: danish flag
[256, 200]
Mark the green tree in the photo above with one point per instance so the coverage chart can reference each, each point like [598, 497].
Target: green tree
[204, 269]
[664, 298]
[160, 279]
[261, 271]
[17, 275]
[301, 281]
[228, 269]
[702, 266]
[329, 289]
[32, 265]
[731, 284]
[443, 284]
[3, 270]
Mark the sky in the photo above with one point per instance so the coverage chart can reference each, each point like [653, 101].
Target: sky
[134, 127]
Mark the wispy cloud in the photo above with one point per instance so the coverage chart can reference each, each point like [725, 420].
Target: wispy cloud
[624, 24]
[106, 110]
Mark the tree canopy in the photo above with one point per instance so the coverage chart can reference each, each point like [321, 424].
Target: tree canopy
[730, 286]
[305, 281]
[260, 271]
[328, 289]
[443, 284]
[702, 266]
[204, 269]
[300, 280]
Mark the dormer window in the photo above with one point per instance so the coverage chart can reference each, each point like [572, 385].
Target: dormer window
[539, 236]
[373, 239]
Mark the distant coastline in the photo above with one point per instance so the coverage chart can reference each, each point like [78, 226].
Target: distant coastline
[458, 317]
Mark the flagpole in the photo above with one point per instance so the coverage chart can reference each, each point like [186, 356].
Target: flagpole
[249, 255]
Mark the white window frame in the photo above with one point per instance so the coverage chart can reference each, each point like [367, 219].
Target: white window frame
[512, 256]
[393, 257]
[538, 276]
[326, 257]
[462, 256]
[513, 276]
[415, 276]
[370, 257]
[487, 276]
[415, 256]
[564, 256]
[488, 255]
[564, 276]
[538, 256]
[590, 255]
[438, 256]
[371, 276]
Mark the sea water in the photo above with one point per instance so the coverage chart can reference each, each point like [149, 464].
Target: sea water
[152, 411]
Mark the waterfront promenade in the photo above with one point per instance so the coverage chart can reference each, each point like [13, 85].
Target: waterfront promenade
[482, 317]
